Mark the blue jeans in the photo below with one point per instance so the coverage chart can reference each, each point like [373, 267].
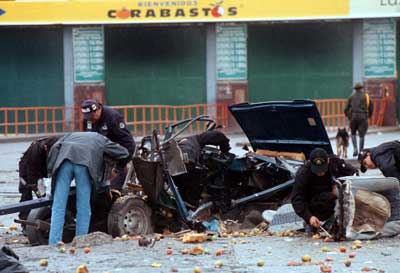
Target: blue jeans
[67, 171]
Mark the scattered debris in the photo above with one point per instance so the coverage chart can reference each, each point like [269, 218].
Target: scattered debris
[260, 263]
[306, 258]
[43, 262]
[82, 269]
[156, 265]
[92, 239]
[194, 238]
[218, 264]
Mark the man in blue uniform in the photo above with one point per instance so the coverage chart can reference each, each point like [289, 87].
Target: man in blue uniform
[109, 122]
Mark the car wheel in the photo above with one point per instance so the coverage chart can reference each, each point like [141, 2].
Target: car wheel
[129, 215]
[41, 236]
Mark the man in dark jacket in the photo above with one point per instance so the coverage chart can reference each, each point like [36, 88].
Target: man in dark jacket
[191, 148]
[359, 109]
[314, 194]
[108, 122]
[385, 157]
[79, 156]
[32, 168]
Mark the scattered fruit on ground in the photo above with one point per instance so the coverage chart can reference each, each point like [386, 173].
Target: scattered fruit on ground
[218, 264]
[12, 228]
[197, 270]
[353, 247]
[242, 234]
[235, 234]
[82, 269]
[125, 237]
[156, 265]
[72, 250]
[174, 269]
[306, 258]
[61, 250]
[260, 263]
[342, 249]
[185, 251]
[325, 249]
[43, 262]
[169, 251]
[366, 269]
[197, 250]
[87, 250]
[194, 238]
[219, 252]
[293, 263]
[60, 243]
[325, 268]
[352, 255]
[328, 240]
[329, 259]
[316, 236]
[347, 263]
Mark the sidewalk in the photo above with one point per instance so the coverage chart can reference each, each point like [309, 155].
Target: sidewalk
[237, 138]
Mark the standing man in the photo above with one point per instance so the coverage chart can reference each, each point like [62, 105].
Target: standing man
[359, 109]
[109, 122]
[385, 157]
[81, 156]
[314, 194]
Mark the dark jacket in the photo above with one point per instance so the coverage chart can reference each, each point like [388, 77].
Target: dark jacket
[387, 158]
[111, 124]
[32, 165]
[191, 146]
[357, 108]
[87, 149]
[308, 185]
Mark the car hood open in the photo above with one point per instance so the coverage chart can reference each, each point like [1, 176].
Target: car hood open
[286, 126]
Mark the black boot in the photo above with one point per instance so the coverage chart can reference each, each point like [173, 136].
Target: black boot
[355, 149]
[362, 139]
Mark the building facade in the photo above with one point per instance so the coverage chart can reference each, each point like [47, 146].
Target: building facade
[177, 52]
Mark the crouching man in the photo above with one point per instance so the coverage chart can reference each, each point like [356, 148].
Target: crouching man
[79, 156]
[314, 194]
[386, 157]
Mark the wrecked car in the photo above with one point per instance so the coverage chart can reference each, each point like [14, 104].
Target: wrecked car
[163, 193]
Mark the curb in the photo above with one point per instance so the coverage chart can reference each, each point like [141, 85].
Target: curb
[25, 138]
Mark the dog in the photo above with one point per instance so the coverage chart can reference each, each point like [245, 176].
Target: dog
[342, 142]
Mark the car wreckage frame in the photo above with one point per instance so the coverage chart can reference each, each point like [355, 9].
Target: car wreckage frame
[161, 193]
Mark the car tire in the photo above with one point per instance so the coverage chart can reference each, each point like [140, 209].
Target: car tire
[41, 237]
[129, 215]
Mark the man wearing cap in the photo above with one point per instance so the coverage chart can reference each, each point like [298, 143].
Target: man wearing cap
[385, 157]
[314, 194]
[110, 123]
[358, 109]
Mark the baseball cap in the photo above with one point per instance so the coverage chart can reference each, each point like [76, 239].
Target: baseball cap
[358, 85]
[319, 160]
[88, 107]
[361, 158]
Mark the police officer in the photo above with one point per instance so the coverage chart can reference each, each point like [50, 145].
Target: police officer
[386, 157]
[358, 109]
[110, 123]
[314, 194]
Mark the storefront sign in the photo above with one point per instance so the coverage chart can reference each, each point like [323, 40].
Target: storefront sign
[231, 52]
[88, 46]
[160, 11]
[374, 8]
[379, 48]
